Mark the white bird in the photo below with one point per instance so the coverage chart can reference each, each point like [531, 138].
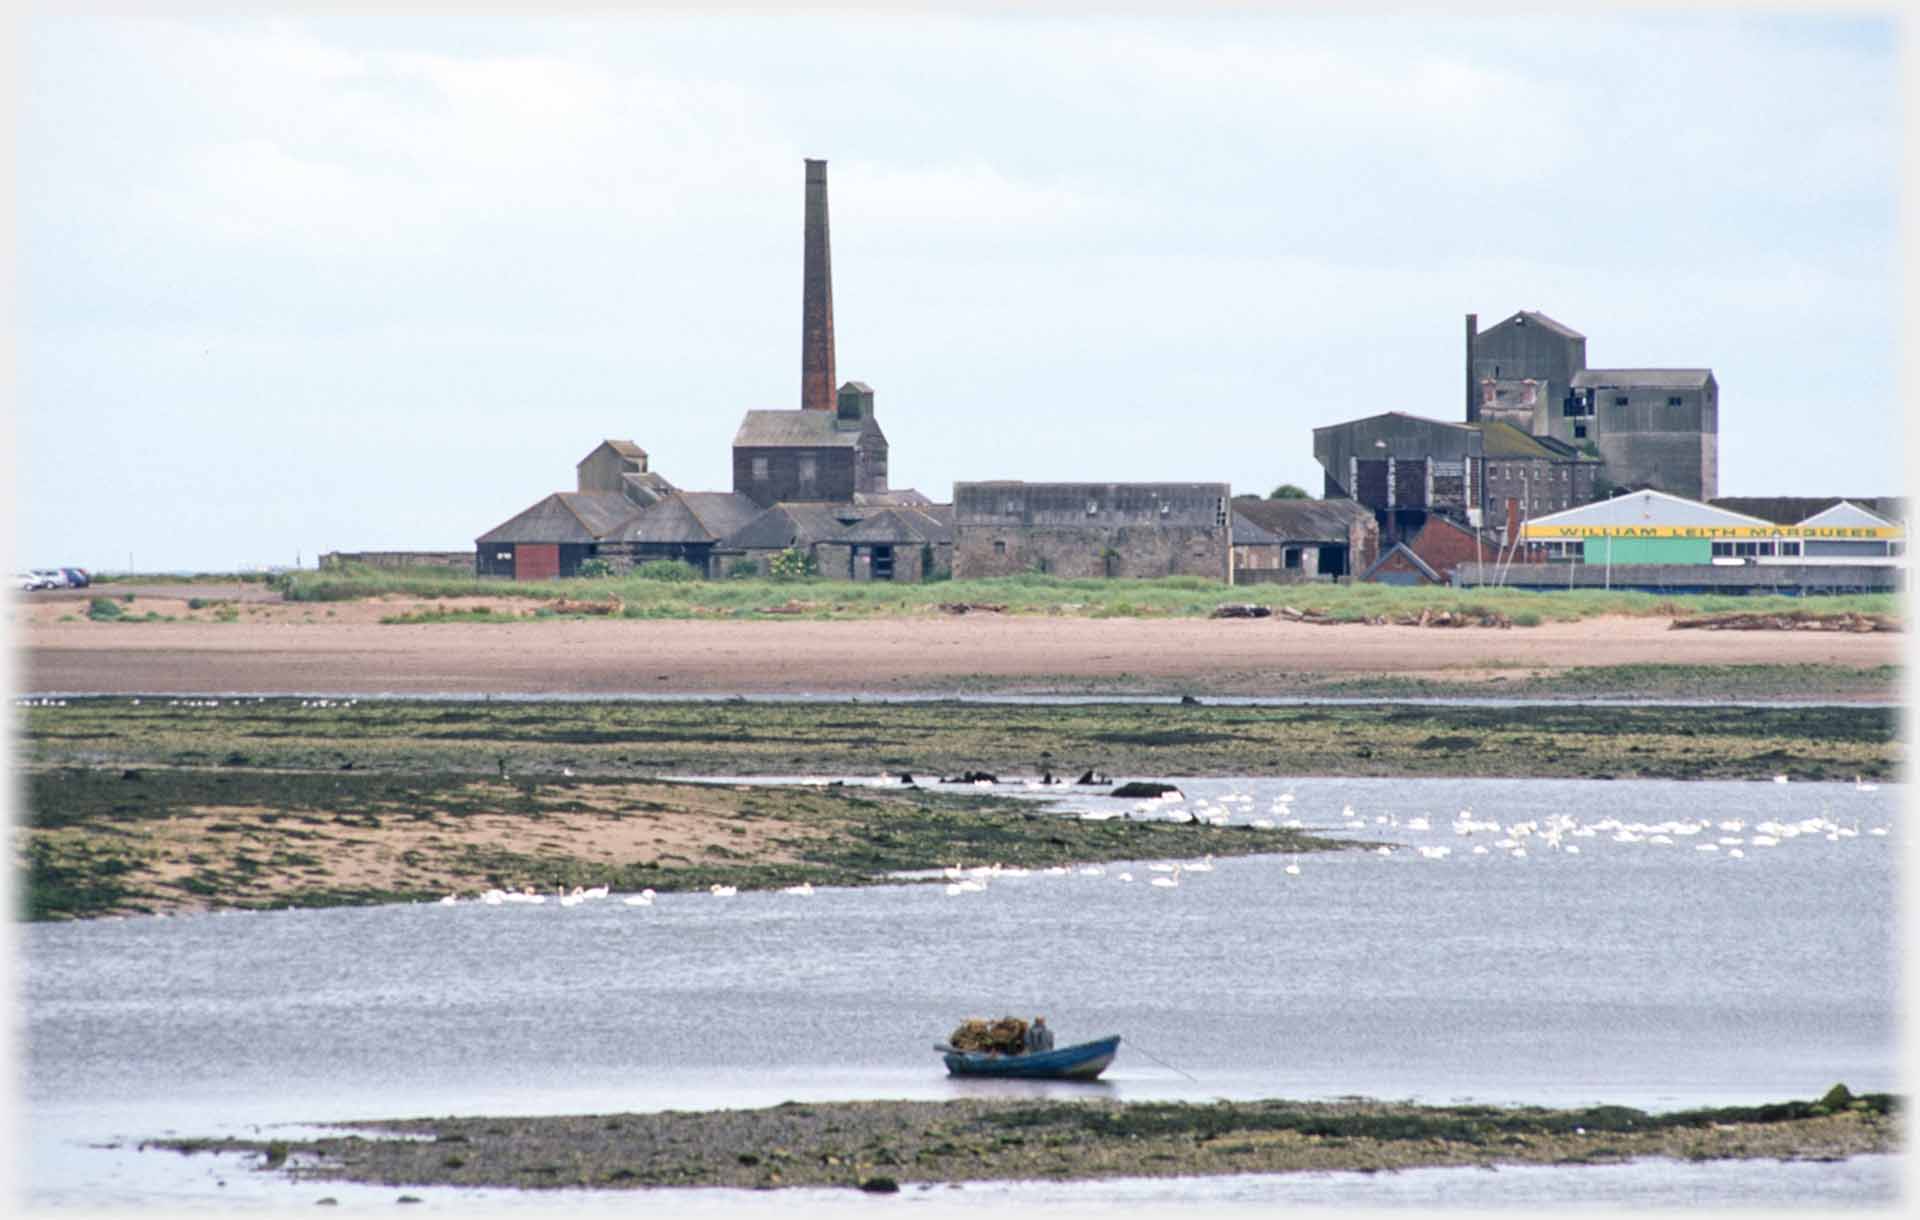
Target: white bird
[449, 900]
[1093, 870]
[1292, 869]
[1737, 854]
[1124, 877]
[1169, 882]
[1161, 866]
[1518, 853]
[643, 899]
[598, 891]
[1779, 779]
[1706, 847]
[1859, 785]
[1206, 866]
[1571, 850]
[723, 891]
[1384, 851]
[1878, 830]
[804, 889]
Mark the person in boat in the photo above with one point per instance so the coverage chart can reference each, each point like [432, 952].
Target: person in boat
[1039, 1037]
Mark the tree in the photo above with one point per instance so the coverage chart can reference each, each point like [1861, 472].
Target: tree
[1287, 491]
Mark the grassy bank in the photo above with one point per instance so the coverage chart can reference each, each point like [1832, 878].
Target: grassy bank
[627, 740]
[128, 841]
[882, 1146]
[1177, 597]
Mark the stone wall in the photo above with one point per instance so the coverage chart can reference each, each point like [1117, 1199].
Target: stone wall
[462, 560]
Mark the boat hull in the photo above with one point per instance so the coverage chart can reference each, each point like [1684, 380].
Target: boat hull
[1081, 1061]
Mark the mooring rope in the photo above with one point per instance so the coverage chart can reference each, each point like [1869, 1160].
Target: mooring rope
[1134, 1043]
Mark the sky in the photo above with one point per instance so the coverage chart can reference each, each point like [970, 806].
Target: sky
[356, 282]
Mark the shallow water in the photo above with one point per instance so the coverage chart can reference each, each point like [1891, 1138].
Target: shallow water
[1653, 975]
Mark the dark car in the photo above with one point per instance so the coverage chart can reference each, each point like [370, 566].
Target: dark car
[77, 578]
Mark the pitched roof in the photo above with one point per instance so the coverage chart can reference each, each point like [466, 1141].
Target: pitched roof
[787, 524]
[897, 525]
[1530, 317]
[1644, 379]
[1296, 520]
[625, 448]
[796, 429]
[1792, 510]
[692, 517]
[1503, 440]
[1400, 548]
[1418, 419]
[645, 489]
[566, 516]
[1847, 513]
[1643, 508]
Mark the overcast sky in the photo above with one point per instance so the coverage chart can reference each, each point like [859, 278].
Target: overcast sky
[378, 283]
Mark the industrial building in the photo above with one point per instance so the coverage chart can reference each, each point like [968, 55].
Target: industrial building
[1289, 541]
[1082, 530]
[813, 478]
[1653, 428]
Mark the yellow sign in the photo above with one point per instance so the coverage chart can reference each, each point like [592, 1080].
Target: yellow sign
[1714, 531]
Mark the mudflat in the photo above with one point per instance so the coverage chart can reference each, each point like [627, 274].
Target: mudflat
[345, 648]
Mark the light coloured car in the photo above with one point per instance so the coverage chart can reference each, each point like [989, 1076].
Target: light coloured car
[26, 581]
[49, 579]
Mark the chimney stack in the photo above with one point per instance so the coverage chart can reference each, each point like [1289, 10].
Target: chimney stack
[816, 309]
[1473, 396]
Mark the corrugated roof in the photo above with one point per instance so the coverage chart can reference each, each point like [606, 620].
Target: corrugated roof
[1298, 520]
[793, 429]
[566, 516]
[626, 449]
[1645, 508]
[1641, 379]
[1792, 510]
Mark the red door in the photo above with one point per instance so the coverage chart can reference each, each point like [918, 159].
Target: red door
[536, 561]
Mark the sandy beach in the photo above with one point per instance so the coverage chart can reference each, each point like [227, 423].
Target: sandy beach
[345, 648]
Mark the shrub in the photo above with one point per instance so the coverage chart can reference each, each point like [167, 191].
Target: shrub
[596, 568]
[743, 569]
[672, 570]
[791, 564]
[102, 609]
[1526, 618]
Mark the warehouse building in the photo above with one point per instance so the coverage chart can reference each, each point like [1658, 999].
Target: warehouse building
[1290, 541]
[1654, 428]
[1092, 530]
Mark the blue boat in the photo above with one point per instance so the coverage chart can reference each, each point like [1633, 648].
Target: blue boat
[1081, 1061]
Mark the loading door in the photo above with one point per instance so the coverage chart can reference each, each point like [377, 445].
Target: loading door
[536, 561]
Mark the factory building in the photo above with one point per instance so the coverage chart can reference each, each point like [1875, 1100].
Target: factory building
[1092, 530]
[812, 478]
[1290, 541]
[1653, 428]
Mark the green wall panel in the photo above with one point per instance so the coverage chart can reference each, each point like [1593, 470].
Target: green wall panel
[1650, 550]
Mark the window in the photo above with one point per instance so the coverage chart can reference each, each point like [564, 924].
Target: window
[1619, 400]
[503, 554]
[1579, 432]
[759, 470]
[1219, 512]
[809, 467]
[1093, 507]
[999, 546]
[1292, 557]
[1790, 548]
[1674, 400]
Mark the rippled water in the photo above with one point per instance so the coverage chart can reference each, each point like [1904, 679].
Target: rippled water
[1639, 973]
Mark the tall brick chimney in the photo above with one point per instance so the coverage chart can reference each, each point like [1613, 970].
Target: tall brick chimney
[1473, 391]
[816, 310]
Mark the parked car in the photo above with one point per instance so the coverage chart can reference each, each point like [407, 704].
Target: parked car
[77, 578]
[49, 579]
[27, 581]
